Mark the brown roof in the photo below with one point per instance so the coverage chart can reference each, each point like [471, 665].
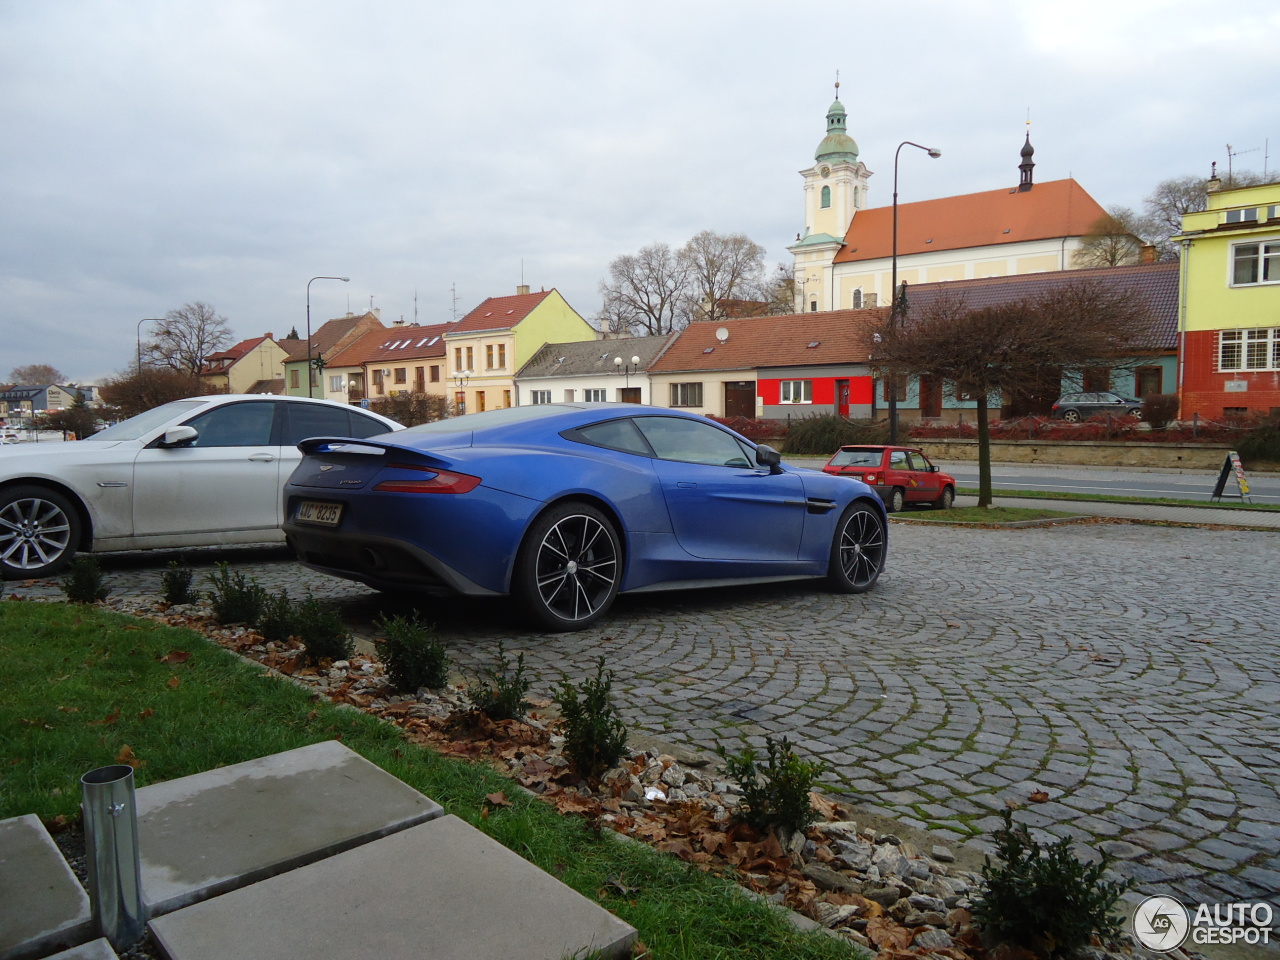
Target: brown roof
[792, 340]
[213, 366]
[500, 313]
[1156, 284]
[1059, 208]
[393, 345]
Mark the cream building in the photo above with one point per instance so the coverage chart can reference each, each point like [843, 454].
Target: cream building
[844, 257]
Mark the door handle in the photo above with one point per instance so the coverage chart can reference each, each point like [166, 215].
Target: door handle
[685, 483]
[263, 457]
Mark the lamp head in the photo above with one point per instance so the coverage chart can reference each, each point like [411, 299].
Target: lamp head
[617, 361]
[935, 152]
[345, 279]
[635, 359]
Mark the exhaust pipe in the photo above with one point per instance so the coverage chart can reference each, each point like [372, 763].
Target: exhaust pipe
[111, 854]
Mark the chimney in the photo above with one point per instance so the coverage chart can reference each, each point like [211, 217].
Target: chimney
[269, 335]
[522, 290]
[1148, 254]
[1214, 184]
[377, 312]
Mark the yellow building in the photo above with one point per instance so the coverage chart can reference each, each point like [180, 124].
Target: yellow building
[844, 257]
[493, 341]
[251, 366]
[1230, 303]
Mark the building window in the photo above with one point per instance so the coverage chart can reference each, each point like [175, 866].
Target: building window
[488, 355]
[540, 396]
[502, 356]
[796, 391]
[293, 379]
[435, 373]
[901, 391]
[1257, 263]
[1148, 382]
[857, 299]
[1242, 216]
[594, 396]
[457, 359]
[335, 384]
[1257, 349]
[1096, 380]
[377, 382]
[826, 197]
[471, 358]
[813, 306]
[402, 375]
[686, 394]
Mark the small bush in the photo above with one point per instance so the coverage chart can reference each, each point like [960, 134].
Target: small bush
[594, 734]
[235, 598]
[1261, 444]
[1159, 408]
[1044, 898]
[823, 434]
[324, 636]
[83, 582]
[756, 429]
[776, 794]
[279, 620]
[175, 584]
[499, 692]
[414, 656]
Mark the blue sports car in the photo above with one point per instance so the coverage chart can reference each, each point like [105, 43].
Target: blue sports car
[564, 506]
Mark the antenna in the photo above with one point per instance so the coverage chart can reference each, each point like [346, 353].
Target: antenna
[1231, 155]
[453, 291]
[837, 84]
[415, 306]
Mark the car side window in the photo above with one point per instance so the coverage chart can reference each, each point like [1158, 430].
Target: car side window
[918, 461]
[616, 435]
[691, 442]
[246, 424]
[306, 420]
[898, 459]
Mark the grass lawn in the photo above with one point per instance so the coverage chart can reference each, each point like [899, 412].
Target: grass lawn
[84, 687]
[1104, 498]
[988, 515]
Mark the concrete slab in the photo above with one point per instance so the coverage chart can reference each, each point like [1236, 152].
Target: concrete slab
[438, 891]
[93, 950]
[42, 905]
[203, 835]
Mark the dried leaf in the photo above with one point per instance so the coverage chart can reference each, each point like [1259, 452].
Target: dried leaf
[68, 709]
[175, 657]
[888, 934]
[126, 756]
[498, 799]
[680, 847]
[173, 683]
[146, 713]
[1038, 797]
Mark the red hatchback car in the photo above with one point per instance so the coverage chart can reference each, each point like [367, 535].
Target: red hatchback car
[900, 475]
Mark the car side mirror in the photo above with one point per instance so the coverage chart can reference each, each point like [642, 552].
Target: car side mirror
[933, 468]
[179, 436]
[766, 456]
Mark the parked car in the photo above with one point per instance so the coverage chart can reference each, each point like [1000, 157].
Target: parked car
[208, 470]
[1074, 407]
[564, 506]
[900, 475]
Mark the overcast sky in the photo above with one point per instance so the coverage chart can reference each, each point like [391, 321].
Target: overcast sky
[155, 153]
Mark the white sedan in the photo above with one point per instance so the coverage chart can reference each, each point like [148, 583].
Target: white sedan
[198, 472]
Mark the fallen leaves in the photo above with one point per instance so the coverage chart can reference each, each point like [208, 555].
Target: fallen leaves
[126, 755]
[175, 657]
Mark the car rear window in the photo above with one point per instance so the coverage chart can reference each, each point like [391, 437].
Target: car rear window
[616, 435]
[857, 458]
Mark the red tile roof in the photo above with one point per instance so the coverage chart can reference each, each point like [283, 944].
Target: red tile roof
[792, 340]
[394, 344]
[1059, 208]
[1156, 284]
[500, 313]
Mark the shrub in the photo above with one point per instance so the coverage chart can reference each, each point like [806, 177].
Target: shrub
[413, 655]
[594, 734]
[823, 433]
[83, 582]
[279, 620]
[324, 636]
[1261, 444]
[1159, 408]
[175, 584]
[235, 598]
[499, 692]
[1044, 898]
[755, 429]
[412, 409]
[776, 794]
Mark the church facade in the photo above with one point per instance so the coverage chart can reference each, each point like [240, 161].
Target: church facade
[843, 259]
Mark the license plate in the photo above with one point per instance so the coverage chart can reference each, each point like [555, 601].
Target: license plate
[313, 511]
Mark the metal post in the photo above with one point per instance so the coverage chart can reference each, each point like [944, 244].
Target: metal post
[111, 853]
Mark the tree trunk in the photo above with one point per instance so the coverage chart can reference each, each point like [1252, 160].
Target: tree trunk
[984, 454]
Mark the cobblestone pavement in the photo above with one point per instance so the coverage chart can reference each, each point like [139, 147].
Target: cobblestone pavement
[1129, 672]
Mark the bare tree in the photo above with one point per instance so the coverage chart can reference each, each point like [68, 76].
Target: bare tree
[1112, 240]
[137, 390]
[35, 375]
[186, 336]
[721, 267]
[1021, 345]
[645, 293]
[778, 291]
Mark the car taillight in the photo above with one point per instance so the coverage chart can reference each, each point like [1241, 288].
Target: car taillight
[439, 481]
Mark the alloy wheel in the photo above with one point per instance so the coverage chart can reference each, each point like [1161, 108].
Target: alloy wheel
[577, 567]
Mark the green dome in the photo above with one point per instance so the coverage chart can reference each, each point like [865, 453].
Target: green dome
[837, 145]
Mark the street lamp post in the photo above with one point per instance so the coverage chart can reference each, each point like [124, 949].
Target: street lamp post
[460, 379]
[310, 368]
[895, 305]
[626, 368]
[138, 332]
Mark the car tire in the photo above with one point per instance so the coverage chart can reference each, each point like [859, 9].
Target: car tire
[897, 501]
[857, 549]
[568, 568]
[1071, 416]
[39, 532]
[945, 501]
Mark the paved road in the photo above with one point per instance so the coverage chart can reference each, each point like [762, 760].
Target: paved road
[1128, 671]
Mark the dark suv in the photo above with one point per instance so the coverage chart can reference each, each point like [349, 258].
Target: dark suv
[1074, 407]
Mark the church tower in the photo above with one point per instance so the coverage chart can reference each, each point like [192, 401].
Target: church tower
[835, 189]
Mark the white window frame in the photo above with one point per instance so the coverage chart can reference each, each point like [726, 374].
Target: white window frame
[686, 394]
[595, 395]
[337, 383]
[1245, 215]
[795, 391]
[1266, 260]
[1249, 350]
[539, 396]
